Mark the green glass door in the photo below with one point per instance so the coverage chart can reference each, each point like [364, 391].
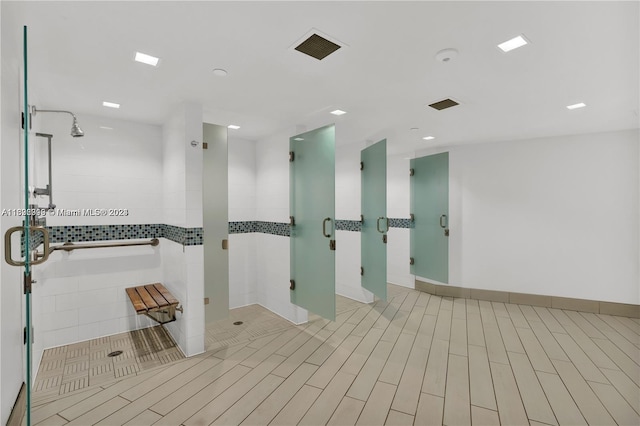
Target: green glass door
[430, 207]
[312, 211]
[375, 224]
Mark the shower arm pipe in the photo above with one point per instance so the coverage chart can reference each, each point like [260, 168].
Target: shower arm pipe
[34, 110]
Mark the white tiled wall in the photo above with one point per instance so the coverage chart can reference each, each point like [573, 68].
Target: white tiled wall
[272, 204]
[80, 295]
[183, 266]
[398, 206]
[348, 207]
[242, 207]
[115, 168]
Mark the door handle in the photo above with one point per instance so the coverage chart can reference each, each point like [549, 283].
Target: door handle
[324, 223]
[444, 216]
[378, 225]
[7, 246]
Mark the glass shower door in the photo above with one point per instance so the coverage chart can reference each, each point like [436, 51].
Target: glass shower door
[375, 224]
[312, 211]
[22, 242]
[18, 239]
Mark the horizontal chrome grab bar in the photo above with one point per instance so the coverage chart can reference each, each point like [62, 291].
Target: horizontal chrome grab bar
[72, 246]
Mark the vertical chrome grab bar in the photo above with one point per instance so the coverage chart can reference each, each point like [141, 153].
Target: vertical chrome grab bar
[324, 223]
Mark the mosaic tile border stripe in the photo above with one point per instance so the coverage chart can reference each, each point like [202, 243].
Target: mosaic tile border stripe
[180, 235]
[348, 225]
[91, 233]
[274, 228]
[283, 229]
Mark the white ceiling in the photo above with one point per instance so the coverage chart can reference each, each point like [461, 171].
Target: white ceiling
[81, 53]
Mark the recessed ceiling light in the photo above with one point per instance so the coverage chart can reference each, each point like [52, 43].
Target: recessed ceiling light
[338, 112]
[110, 104]
[514, 43]
[106, 127]
[298, 139]
[428, 138]
[576, 106]
[146, 59]
[219, 72]
[233, 127]
[414, 129]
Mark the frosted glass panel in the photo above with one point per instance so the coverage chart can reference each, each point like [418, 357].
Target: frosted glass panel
[215, 219]
[430, 207]
[375, 224]
[312, 205]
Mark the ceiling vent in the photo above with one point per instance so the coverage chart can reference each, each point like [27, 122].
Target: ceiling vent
[317, 47]
[443, 104]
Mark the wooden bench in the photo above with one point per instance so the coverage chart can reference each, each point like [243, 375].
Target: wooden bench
[154, 301]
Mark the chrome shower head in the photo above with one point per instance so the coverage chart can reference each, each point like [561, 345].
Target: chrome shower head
[76, 131]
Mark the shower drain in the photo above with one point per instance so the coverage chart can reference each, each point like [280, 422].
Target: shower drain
[237, 323]
[114, 353]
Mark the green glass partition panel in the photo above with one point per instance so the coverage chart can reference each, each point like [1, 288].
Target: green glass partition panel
[430, 209]
[375, 224]
[312, 210]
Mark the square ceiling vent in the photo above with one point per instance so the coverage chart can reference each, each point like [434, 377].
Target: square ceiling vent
[444, 104]
[317, 45]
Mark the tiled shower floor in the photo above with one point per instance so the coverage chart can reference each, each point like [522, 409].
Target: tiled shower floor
[69, 368]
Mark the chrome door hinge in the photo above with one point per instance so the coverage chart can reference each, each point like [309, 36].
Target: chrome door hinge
[27, 283]
[361, 271]
[332, 244]
[292, 156]
[411, 261]
[361, 165]
[411, 172]
[24, 335]
[292, 285]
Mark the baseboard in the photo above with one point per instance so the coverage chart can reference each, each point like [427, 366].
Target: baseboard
[19, 408]
[568, 303]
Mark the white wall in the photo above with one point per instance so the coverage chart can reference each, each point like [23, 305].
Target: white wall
[243, 287]
[348, 207]
[11, 348]
[561, 212]
[398, 206]
[272, 205]
[553, 216]
[80, 295]
[119, 167]
[183, 267]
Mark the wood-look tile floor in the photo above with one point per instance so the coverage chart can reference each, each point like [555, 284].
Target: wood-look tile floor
[418, 359]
